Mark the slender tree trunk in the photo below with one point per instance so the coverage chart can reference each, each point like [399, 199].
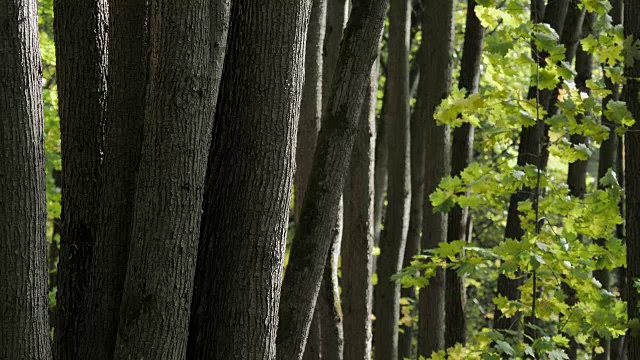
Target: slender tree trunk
[357, 258]
[154, 316]
[394, 236]
[126, 83]
[632, 173]
[328, 306]
[308, 128]
[436, 66]
[24, 330]
[461, 155]
[380, 174]
[81, 40]
[531, 152]
[248, 189]
[331, 161]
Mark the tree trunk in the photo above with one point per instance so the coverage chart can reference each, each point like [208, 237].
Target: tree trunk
[357, 258]
[331, 161]
[380, 175]
[436, 66]
[81, 53]
[531, 152]
[24, 329]
[394, 236]
[461, 155]
[308, 128]
[126, 83]
[154, 316]
[632, 173]
[248, 189]
[328, 303]
[328, 306]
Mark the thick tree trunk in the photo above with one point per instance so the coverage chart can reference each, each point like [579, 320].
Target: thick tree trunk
[331, 162]
[308, 128]
[632, 173]
[24, 329]
[461, 155]
[248, 189]
[357, 258]
[81, 52]
[126, 84]
[154, 316]
[530, 152]
[436, 66]
[394, 236]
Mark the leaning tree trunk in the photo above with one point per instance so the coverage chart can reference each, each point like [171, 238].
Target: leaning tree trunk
[81, 54]
[308, 128]
[154, 316]
[357, 248]
[24, 329]
[436, 66]
[328, 308]
[632, 173]
[394, 236]
[531, 152]
[126, 82]
[331, 162]
[461, 155]
[248, 188]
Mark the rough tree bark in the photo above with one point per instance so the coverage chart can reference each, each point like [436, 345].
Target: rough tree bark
[308, 128]
[24, 329]
[328, 311]
[248, 188]
[335, 141]
[357, 258]
[126, 83]
[81, 54]
[461, 155]
[632, 173]
[436, 66]
[154, 316]
[530, 152]
[394, 236]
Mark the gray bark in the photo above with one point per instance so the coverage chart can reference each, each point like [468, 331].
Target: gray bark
[154, 316]
[335, 141]
[24, 329]
[248, 189]
[81, 52]
[126, 83]
[357, 258]
[393, 238]
[436, 66]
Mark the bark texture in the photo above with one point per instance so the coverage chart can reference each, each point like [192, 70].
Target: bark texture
[24, 328]
[357, 258]
[461, 156]
[308, 128]
[393, 238]
[81, 54]
[248, 188]
[632, 173]
[154, 315]
[126, 84]
[531, 151]
[335, 141]
[436, 66]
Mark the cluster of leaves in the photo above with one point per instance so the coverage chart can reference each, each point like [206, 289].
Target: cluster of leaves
[560, 229]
